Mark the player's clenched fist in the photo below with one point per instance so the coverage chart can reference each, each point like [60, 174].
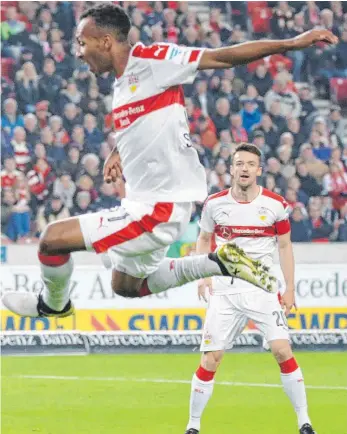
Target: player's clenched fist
[203, 286]
[112, 168]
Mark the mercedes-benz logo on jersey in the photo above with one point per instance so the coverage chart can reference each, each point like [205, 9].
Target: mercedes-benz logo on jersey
[226, 232]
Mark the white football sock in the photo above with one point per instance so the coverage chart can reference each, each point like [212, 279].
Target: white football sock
[201, 392]
[176, 272]
[294, 386]
[56, 292]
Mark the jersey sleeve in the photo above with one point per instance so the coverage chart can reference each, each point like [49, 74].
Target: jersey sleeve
[282, 224]
[171, 64]
[207, 223]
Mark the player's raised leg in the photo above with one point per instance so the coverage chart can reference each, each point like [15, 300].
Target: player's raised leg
[293, 382]
[57, 242]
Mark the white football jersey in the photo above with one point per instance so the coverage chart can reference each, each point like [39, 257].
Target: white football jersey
[151, 127]
[253, 226]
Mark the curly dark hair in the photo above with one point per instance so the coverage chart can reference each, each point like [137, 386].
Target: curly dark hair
[112, 17]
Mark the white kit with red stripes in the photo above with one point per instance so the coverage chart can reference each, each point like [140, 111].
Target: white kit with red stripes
[253, 226]
[152, 133]
[162, 169]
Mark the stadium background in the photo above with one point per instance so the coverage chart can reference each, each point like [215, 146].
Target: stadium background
[57, 131]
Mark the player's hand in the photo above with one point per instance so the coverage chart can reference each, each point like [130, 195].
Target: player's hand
[288, 300]
[204, 284]
[112, 168]
[312, 37]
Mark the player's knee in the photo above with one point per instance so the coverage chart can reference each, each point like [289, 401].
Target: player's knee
[125, 290]
[282, 353]
[50, 240]
[211, 360]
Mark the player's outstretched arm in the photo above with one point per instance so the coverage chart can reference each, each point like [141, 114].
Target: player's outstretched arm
[286, 256]
[228, 57]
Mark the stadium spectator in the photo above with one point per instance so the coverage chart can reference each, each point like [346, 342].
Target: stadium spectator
[53, 211]
[15, 216]
[319, 228]
[72, 164]
[50, 84]
[300, 229]
[335, 184]
[11, 118]
[27, 87]
[221, 118]
[31, 128]
[108, 197]
[315, 166]
[281, 92]
[71, 117]
[342, 225]
[82, 204]
[63, 61]
[9, 175]
[270, 184]
[261, 79]
[295, 184]
[274, 168]
[202, 98]
[338, 124]
[220, 179]
[21, 149]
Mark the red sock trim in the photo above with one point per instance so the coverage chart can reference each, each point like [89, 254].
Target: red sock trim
[288, 366]
[144, 290]
[204, 375]
[54, 261]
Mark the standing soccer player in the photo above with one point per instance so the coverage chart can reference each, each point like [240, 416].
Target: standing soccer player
[162, 170]
[253, 218]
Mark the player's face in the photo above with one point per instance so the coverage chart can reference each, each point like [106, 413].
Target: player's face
[93, 46]
[245, 169]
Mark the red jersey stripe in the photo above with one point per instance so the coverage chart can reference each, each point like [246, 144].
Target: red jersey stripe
[274, 196]
[194, 55]
[129, 113]
[161, 214]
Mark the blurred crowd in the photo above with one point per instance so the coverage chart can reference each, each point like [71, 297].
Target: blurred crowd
[57, 125]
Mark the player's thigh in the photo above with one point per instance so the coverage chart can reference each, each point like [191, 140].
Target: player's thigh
[62, 237]
[128, 272]
[223, 324]
[265, 311]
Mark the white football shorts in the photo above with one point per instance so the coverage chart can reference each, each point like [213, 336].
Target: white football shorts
[227, 316]
[135, 237]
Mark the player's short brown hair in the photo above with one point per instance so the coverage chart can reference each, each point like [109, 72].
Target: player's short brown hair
[248, 147]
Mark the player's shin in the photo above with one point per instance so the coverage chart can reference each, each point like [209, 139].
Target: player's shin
[176, 272]
[201, 392]
[294, 386]
[56, 272]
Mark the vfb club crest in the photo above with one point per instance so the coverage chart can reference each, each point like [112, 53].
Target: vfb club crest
[133, 82]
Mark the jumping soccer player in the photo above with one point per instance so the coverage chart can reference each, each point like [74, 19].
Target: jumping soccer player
[252, 217]
[162, 171]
